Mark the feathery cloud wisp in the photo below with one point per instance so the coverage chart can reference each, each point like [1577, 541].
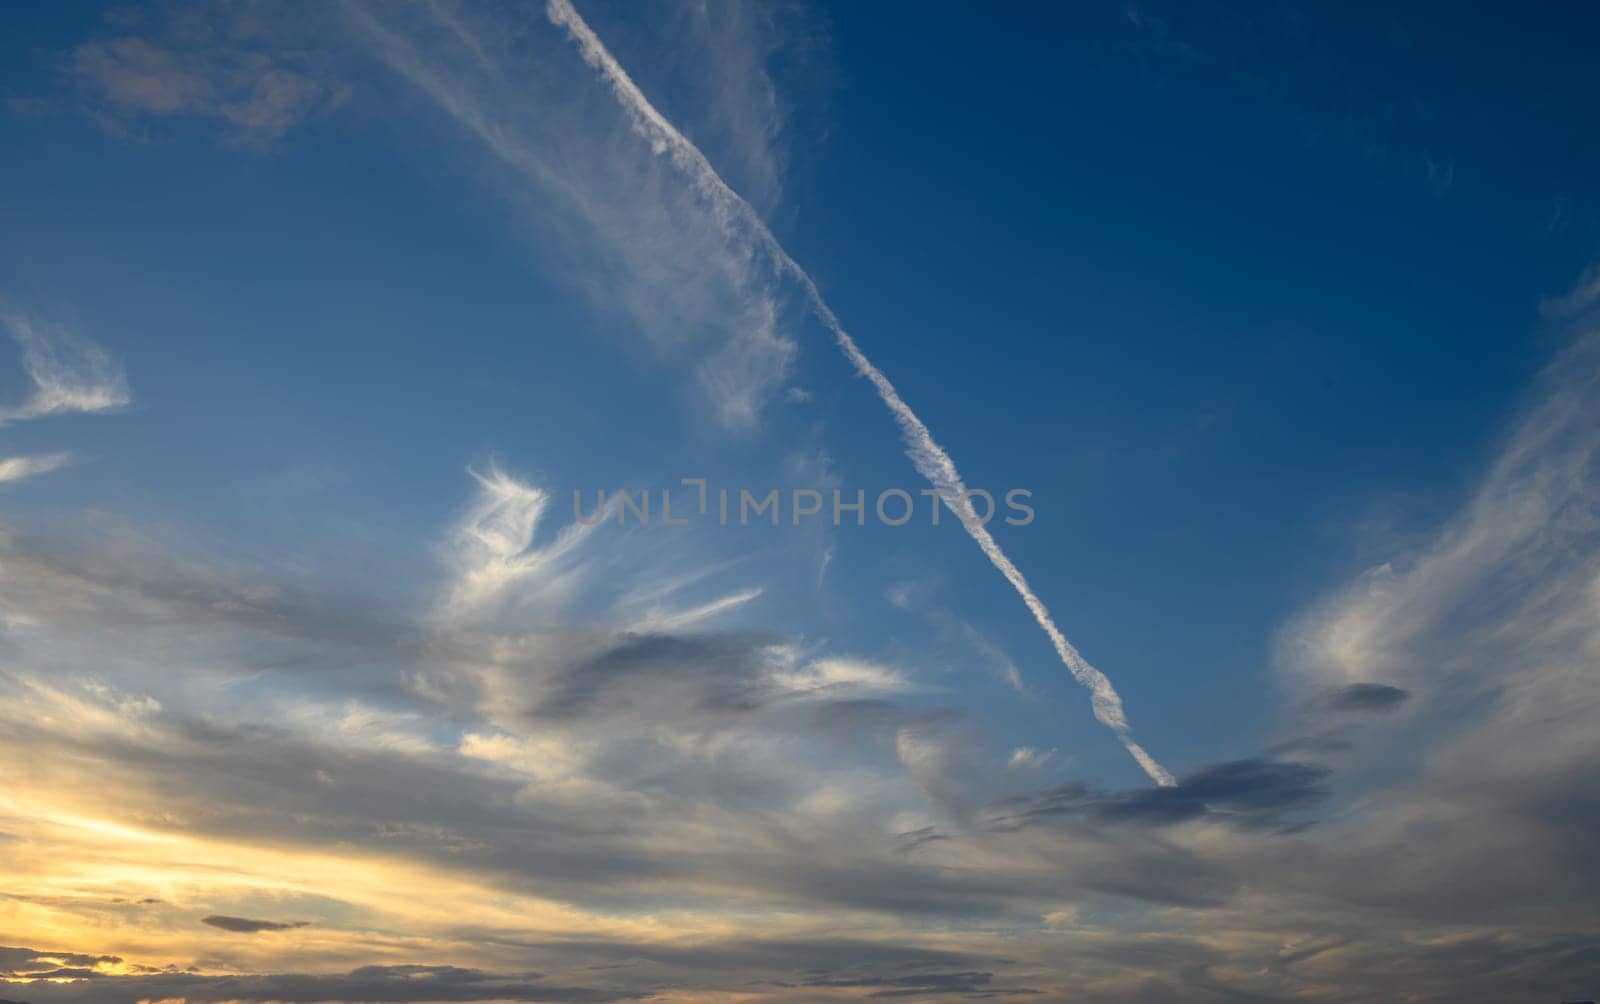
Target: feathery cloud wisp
[494, 543]
[69, 374]
[929, 458]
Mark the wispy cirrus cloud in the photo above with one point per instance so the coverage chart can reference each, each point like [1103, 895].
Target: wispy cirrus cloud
[1512, 570]
[69, 373]
[494, 547]
[601, 211]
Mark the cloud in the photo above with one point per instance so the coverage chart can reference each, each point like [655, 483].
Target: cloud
[1366, 697]
[244, 925]
[526, 749]
[969, 983]
[791, 969]
[1573, 303]
[69, 373]
[1505, 582]
[658, 619]
[493, 545]
[603, 212]
[950, 625]
[624, 773]
[652, 672]
[1492, 793]
[397, 984]
[28, 963]
[1025, 757]
[579, 780]
[1254, 793]
[226, 63]
[21, 468]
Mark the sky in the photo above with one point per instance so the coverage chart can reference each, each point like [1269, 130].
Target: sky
[345, 343]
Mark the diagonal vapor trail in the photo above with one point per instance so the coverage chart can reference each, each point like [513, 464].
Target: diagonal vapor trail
[930, 459]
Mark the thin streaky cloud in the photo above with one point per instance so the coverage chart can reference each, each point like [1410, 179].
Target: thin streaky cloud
[677, 620]
[929, 458]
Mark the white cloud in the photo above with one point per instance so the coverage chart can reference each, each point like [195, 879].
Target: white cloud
[69, 373]
[493, 545]
[19, 468]
[841, 674]
[661, 619]
[1027, 757]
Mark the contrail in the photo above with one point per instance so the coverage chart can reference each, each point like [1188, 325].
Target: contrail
[931, 461]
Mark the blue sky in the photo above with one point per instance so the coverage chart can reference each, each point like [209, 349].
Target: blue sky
[319, 315]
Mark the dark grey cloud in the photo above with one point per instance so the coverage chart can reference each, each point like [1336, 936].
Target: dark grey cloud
[28, 962]
[797, 957]
[1313, 745]
[15, 961]
[90, 576]
[1366, 697]
[245, 925]
[722, 672]
[1252, 793]
[912, 839]
[1253, 786]
[403, 984]
[917, 985]
[794, 968]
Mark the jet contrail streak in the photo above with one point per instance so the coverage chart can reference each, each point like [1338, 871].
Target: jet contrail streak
[931, 461]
